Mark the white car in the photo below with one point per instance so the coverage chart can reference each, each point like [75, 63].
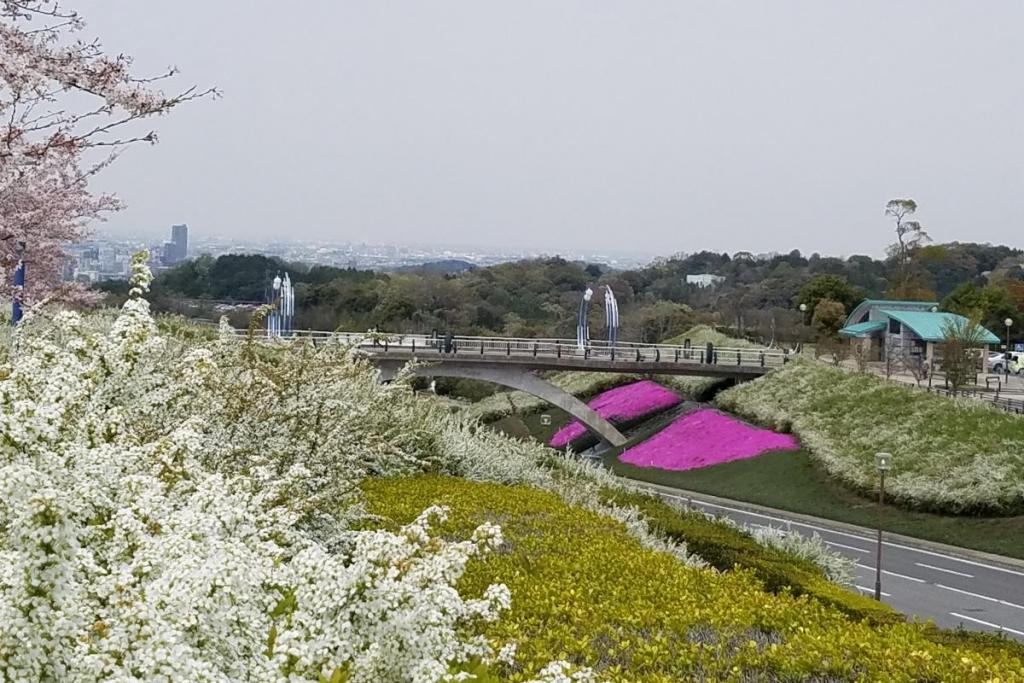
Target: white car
[997, 362]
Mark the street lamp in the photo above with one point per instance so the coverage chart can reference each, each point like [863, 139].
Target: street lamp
[1006, 357]
[882, 463]
[582, 329]
[803, 324]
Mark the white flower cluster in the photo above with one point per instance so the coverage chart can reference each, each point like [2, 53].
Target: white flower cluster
[564, 672]
[151, 529]
[838, 568]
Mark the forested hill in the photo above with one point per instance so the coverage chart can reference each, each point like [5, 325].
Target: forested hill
[541, 297]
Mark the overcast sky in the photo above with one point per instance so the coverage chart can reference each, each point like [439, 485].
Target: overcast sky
[641, 125]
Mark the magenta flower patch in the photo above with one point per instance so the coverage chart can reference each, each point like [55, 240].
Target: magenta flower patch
[620, 404]
[704, 438]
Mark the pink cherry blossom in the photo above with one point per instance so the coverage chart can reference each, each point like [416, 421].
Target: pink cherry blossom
[60, 96]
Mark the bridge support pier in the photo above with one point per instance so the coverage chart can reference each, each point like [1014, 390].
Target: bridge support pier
[514, 378]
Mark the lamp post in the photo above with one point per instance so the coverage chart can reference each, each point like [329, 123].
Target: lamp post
[803, 324]
[1006, 356]
[582, 329]
[882, 463]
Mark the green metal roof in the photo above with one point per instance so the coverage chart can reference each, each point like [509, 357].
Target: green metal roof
[883, 302]
[863, 329]
[930, 326]
[858, 310]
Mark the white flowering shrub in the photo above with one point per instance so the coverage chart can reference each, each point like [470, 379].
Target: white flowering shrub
[838, 568]
[949, 455]
[564, 672]
[177, 514]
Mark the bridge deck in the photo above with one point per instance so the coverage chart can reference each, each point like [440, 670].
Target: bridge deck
[672, 366]
[558, 354]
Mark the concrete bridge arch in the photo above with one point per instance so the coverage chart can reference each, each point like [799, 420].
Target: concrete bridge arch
[514, 378]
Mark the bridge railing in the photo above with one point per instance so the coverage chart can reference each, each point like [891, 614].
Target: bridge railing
[496, 347]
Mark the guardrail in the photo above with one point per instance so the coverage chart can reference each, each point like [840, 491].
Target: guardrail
[1010, 405]
[508, 347]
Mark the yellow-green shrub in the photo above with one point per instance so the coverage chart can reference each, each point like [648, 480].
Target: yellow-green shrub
[725, 547]
[585, 591]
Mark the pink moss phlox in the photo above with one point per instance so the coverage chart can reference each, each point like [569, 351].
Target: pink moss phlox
[704, 438]
[627, 402]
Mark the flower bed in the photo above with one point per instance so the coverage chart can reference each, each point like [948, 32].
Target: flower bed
[620, 404]
[704, 438]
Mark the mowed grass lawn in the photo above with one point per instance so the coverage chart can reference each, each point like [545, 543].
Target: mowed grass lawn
[792, 481]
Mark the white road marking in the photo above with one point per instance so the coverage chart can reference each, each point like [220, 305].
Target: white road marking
[886, 571]
[848, 547]
[872, 591]
[988, 623]
[1007, 603]
[940, 569]
[838, 533]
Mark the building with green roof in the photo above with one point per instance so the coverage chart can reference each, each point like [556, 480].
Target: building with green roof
[904, 330]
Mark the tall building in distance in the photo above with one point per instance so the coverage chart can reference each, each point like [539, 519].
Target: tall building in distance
[176, 250]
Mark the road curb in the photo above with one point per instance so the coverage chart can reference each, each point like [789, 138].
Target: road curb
[919, 543]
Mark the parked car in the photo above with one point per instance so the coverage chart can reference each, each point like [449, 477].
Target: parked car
[997, 362]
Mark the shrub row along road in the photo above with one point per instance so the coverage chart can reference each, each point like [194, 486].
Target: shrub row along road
[948, 588]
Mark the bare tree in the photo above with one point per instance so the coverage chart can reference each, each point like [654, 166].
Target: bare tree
[915, 365]
[832, 348]
[861, 354]
[893, 359]
[962, 341]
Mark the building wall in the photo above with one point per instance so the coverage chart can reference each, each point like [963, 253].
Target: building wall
[704, 279]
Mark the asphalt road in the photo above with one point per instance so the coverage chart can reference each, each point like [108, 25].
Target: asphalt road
[950, 589]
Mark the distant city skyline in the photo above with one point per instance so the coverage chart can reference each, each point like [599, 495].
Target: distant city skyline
[198, 239]
[107, 256]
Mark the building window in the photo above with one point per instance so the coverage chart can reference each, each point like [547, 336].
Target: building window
[894, 326]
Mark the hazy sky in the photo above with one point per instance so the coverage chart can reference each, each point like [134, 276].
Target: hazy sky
[641, 125]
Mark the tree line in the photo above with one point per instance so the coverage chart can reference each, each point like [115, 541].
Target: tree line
[760, 297]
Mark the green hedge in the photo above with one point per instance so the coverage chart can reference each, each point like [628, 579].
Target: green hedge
[726, 547]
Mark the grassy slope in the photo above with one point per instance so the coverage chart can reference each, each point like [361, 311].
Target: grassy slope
[702, 334]
[949, 456]
[585, 591]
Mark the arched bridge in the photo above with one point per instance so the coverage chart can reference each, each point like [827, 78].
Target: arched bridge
[513, 362]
